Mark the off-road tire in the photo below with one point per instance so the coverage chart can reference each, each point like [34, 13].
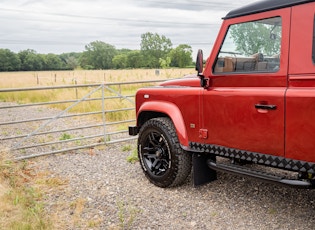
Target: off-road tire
[162, 159]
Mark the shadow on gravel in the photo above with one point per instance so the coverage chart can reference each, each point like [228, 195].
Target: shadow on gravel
[269, 206]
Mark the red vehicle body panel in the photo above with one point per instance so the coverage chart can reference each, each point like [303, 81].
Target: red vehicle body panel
[181, 104]
[229, 104]
[224, 113]
[300, 97]
[236, 123]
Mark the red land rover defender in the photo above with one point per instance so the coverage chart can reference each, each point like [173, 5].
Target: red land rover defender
[253, 104]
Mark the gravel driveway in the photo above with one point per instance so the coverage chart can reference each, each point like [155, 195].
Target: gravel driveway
[104, 191]
[110, 186]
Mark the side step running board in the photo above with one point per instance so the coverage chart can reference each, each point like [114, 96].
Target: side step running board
[242, 171]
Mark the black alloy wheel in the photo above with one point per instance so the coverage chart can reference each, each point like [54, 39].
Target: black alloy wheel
[162, 159]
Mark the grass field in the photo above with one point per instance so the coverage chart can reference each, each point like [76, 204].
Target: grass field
[79, 77]
[49, 78]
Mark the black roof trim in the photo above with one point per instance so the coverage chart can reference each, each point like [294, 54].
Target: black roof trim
[264, 5]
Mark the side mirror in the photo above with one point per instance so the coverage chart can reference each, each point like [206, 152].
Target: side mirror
[199, 63]
[199, 68]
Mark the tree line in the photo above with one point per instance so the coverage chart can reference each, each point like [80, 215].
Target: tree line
[156, 51]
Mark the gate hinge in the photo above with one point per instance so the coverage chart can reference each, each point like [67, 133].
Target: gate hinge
[203, 133]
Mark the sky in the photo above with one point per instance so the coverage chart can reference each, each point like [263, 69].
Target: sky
[62, 26]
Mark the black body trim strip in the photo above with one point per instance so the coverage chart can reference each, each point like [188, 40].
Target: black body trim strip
[263, 176]
[258, 158]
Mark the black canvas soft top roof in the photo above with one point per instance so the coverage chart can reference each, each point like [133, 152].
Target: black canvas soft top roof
[262, 6]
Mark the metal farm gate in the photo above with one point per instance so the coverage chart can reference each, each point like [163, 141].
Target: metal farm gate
[36, 129]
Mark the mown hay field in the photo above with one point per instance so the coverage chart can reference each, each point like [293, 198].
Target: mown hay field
[49, 78]
[83, 77]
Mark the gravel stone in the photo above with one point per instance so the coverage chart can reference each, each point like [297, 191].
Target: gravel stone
[104, 191]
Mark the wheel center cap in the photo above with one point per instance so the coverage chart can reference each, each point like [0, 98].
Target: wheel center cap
[158, 152]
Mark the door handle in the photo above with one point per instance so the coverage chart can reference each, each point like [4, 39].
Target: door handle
[268, 107]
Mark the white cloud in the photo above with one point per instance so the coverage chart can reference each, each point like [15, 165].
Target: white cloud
[65, 26]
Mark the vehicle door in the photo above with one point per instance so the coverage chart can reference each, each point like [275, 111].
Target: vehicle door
[243, 106]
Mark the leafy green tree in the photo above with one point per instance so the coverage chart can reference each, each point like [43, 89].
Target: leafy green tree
[181, 56]
[165, 63]
[70, 60]
[123, 51]
[128, 59]
[120, 61]
[135, 59]
[30, 60]
[71, 63]
[53, 62]
[254, 37]
[154, 47]
[98, 55]
[9, 61]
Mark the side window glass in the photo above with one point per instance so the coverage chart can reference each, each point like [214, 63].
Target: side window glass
[251, 47]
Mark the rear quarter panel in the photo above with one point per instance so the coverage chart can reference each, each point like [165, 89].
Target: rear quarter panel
[300, 96]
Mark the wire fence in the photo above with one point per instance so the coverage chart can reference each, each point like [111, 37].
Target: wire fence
[91, 115]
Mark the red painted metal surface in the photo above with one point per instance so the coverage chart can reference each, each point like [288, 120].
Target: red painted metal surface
[226, 113]
[181, 104]
[300, 96]
[233, 121]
